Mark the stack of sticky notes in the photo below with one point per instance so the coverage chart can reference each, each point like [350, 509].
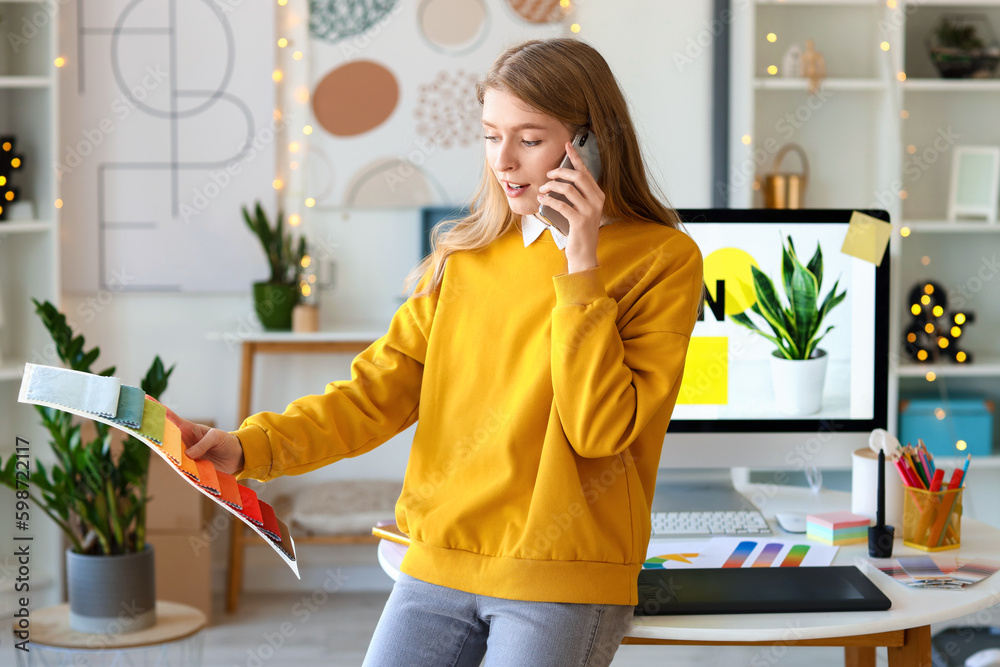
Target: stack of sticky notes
[128, 409]
[836, 528]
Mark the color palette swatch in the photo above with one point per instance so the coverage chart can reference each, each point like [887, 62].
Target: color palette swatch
[106, 400]
[737, 552]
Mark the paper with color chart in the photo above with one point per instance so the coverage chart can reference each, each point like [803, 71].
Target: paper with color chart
[106, 400]
[938, 572]
[722, 552]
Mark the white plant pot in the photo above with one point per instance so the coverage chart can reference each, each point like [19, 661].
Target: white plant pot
[798, 385]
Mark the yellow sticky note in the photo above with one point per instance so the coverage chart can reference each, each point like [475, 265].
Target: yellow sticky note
[706, 372]
[867, 238]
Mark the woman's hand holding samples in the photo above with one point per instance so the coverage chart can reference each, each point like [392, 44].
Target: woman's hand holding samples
[128, 409]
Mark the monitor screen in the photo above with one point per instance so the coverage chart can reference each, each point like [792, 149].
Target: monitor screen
[747, 396]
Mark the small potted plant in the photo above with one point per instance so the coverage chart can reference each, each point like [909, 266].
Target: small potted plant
[275, 298]
[96, 494]
[959, 49]
[798, 365]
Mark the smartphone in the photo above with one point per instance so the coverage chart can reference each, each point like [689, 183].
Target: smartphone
[586, 146]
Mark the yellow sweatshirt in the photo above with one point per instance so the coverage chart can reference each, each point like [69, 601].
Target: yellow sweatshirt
[543, 399]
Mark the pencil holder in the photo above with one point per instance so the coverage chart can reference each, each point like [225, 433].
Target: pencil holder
[932, 521]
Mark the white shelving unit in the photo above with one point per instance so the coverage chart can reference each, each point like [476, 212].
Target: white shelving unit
[29, 260]
[870, 137]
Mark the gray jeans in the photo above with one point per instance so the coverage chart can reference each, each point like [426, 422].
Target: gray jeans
[426, 625]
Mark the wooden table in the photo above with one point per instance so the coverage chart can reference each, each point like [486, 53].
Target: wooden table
[349, 341]
[175, 639]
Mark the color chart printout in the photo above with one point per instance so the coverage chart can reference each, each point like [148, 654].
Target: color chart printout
[727, 552]
[128, 409]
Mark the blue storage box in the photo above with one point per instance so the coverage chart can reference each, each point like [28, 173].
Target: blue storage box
[965, 419]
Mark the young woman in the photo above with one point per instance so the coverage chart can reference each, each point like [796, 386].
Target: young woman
[543, 368]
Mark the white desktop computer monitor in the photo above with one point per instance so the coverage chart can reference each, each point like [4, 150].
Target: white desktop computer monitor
[735, 409]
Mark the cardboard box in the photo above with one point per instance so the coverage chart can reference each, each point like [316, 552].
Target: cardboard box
[183, 569]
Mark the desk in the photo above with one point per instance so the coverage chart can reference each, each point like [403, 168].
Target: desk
[283, 342]
[175, 639]
[904, 629]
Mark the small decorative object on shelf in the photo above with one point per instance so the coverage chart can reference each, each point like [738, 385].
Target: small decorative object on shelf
[791, 62]
[786, 190]
[813, 67]
[934, 333]
[10, 162]
[305, 315]
[975, 183]
[963, 46]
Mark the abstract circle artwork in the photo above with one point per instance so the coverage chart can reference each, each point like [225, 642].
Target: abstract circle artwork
[355, 98]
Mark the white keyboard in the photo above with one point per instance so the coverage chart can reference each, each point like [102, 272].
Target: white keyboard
[692, 524]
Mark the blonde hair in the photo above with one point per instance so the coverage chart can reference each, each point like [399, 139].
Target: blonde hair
[570, 81]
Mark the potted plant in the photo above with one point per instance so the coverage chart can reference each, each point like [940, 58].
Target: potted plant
[798, 365]
[958, 48]
[275, 298]
[96, 494]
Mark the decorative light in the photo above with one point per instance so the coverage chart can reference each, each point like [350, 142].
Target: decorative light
[929, 328]
[904, 114]
[961, 445]
[938, 311]
[959, 318]
[564, 4]
[575, 27]
[277, 75]
[915, 309]
[926, 300]
[903, 194]
[771, 37]
[294, 219]
[884, 46]
[306, 289]
[911, 149]
[302, 95]
[60, 61]
[904, 232]
[297, 55]
[282, 3]
[276, 184]
[956, 331]
[282, 42]
[928, 288]
[901, 76]
[3, 180]
[925, 260]
[308, 129]
[306, 261]
[891, 4]
[310, 202]
[942, 342]
[9, 196]
[746, 139]
[931, 376]
[312, 278]
[911, 337]
[772, 69]
[15, 162]
[939, 413]
[960, 357]
[58, 203]
[293, 147]
[922, 355]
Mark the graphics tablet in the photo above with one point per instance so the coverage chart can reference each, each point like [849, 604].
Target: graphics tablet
[757, 590]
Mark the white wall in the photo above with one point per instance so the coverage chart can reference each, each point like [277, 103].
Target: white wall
[672, 108]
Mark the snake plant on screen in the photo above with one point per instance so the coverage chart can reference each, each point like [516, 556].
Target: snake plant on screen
[795, 324]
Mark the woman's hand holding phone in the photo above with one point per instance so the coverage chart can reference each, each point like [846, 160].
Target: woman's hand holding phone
[221, 448]
[583, 211]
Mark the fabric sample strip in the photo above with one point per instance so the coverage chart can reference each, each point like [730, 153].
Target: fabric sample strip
[251, 506]
[154, 416]
[172, 444]
[286, 541]
[96, 394]
[229, 490]
[131, 401]
[188, 465]
[270, 521]
[208, 479]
